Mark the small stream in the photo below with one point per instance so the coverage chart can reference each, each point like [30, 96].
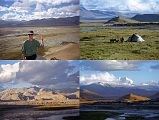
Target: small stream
[115, 27]
[58, 117]
[102, 27]
[124, 114]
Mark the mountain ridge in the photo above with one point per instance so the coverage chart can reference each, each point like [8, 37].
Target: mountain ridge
[88, 95]
[146, 17]
[115, 92]
[32, 93]
[69, 21]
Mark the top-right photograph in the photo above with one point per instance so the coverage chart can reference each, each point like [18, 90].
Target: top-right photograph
[119, 29]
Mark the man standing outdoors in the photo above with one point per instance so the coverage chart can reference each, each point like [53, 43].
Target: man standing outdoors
[30, 46]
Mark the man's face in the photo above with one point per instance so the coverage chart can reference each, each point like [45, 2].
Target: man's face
[30, 37]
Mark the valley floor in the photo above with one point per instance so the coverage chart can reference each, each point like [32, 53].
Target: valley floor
[60, 42]
[120, 111]
[19, 112]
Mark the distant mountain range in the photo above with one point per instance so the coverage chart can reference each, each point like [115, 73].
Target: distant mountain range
[101, 15]
[147, 18]
[155, 97]
[115, 92]
[70, 21]
[96, 14]
[108, 15]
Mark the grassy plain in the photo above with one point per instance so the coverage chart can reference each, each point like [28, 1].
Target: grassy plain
[95, 44]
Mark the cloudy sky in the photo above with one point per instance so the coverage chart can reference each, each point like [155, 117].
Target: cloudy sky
[38, 9]
[128, 6]
[119, 72]
[58, 75]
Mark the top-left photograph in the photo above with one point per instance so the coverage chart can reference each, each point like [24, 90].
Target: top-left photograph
[39, 30]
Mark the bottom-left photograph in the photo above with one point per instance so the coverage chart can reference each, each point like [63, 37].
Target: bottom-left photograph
[44, 90]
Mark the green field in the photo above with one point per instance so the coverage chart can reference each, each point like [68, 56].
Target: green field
[95, 45]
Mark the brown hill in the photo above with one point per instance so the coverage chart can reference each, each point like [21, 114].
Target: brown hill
[88, 95]
[133, 98]
[120, 20]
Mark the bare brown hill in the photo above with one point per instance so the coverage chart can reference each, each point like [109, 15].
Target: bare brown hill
[88, 95]
[133, 98]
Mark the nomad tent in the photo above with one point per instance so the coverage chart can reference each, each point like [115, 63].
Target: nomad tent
[135, 38]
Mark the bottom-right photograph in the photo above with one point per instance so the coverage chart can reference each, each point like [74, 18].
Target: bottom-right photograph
[119, 90]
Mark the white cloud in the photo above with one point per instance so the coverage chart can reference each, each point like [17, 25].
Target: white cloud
[153, 83]
[138, 6]
[125, 81]
[39, 9]
[72, 10]
[52, 2]
[63, 12]
[43, 73]
[105, 78]
[21, 7]
[2, 8]
[110, 65]
[8, 72]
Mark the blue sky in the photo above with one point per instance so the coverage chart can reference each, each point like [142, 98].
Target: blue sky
[38, 9]
[8, 62]
[47, 74]
[125, 6]
[55, 74]
[138, 72]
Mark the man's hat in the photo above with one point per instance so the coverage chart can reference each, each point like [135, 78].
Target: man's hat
[31, 33]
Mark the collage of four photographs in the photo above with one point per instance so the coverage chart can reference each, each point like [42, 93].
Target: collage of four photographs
[79, 60]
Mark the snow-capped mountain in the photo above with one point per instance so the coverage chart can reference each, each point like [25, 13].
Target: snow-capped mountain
[120, 82]
[95, 14]
[114, 91]
[42, 22]
[101, 15]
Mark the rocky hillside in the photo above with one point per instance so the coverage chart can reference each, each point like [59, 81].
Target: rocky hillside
[33, 93]
[133, 98]
[75, 95]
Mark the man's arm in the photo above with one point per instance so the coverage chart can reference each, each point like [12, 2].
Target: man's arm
[23, 57]
[23, 51]
[42, 40]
